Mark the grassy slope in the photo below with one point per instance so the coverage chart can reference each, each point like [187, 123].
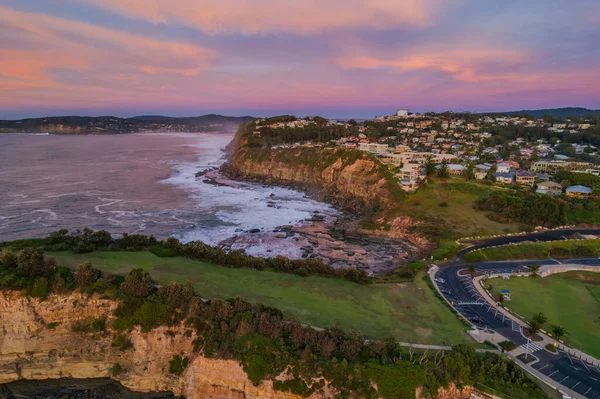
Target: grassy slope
[459, 215]
[378, 310]
[554, 249]
[571, 299]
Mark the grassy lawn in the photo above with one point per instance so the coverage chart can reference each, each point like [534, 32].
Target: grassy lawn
[542, 250]
[451, 200]
[570, 299]
[407, 311]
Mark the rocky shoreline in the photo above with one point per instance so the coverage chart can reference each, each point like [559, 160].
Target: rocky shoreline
[337, 241]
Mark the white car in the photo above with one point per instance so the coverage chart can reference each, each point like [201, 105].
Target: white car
[440, 280]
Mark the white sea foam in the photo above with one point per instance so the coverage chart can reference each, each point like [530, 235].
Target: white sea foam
[234, 209]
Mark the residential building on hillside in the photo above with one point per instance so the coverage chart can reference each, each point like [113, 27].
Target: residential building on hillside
[578, 191]
[525, 178]
[549, 188]
[503, 167]
[374, 148]
[482, 170]
[505, 177]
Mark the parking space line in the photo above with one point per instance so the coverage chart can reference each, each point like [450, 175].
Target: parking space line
[586, 392]
[560, 382]
[543, 367]
[585, 365]
[555, 371]
[578, 382]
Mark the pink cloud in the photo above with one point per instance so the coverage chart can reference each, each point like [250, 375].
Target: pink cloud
[465, 64]
[61, 43]
[293, 16]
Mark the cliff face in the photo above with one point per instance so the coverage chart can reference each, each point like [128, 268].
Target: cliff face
[347, 178]
[350, 179]
[30, 349]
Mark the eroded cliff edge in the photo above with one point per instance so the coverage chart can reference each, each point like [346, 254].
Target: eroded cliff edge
[36, 343]
[350, 179]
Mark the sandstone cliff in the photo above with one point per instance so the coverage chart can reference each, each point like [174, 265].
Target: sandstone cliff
[32, 348]
[350, 179]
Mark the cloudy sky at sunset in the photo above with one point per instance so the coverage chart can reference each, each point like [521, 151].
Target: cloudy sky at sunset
[337, 58]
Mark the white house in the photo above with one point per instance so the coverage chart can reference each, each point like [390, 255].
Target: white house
[503, 167]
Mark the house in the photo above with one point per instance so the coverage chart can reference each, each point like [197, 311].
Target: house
[578, 191]
[549, 188]
[525, 178]
[373, 148]
[503, 167]
[481, 171]
[505, 177]
[456, 169]
[410, 171]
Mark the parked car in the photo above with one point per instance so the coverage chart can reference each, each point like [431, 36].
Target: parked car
[476, 319]
[440, 280]
[446, 292]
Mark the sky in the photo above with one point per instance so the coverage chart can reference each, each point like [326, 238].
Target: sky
[335, 58]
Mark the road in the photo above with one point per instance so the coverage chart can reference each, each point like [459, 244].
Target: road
[572, 373]
[551, 235]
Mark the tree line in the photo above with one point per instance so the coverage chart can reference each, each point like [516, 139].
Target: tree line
[87, 240]
[262, 340]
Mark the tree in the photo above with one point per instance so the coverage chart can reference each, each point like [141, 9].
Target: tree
[30, 262]
[430, 166]
[534, 326]
[472, 269]
[443, 170]
[137, 284]
[534, 270]
[540, 318]
[470, 172]
[86, 275]
[558, 331]
[8, 258]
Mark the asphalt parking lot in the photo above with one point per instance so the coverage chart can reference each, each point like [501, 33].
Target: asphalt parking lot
[572, 373]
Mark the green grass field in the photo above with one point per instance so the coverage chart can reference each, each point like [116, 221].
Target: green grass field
[451, 200]
[542, 250]
[570, 299]
[407, 311]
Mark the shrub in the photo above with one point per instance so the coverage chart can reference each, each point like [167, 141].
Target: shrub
[507, 346]
[122, 342]
[86, 275]
[178, 364]
[116, 369]
[137, 284]
[53, 325]
[89, 324]
[551, 348]
[40, 288]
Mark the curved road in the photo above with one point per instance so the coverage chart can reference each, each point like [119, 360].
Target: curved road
[580, 377]
[550, 235]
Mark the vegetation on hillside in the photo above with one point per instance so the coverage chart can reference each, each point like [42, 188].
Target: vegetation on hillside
[87, 240]
[266, 344]
[539, 250]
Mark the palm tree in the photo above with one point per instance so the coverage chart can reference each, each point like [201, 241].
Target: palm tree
[536, 322]
[558, 331]
[540, 318]
[534, 270]
[534, 326]
[472, 269]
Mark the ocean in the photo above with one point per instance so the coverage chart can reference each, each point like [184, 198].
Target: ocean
[141, 183]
